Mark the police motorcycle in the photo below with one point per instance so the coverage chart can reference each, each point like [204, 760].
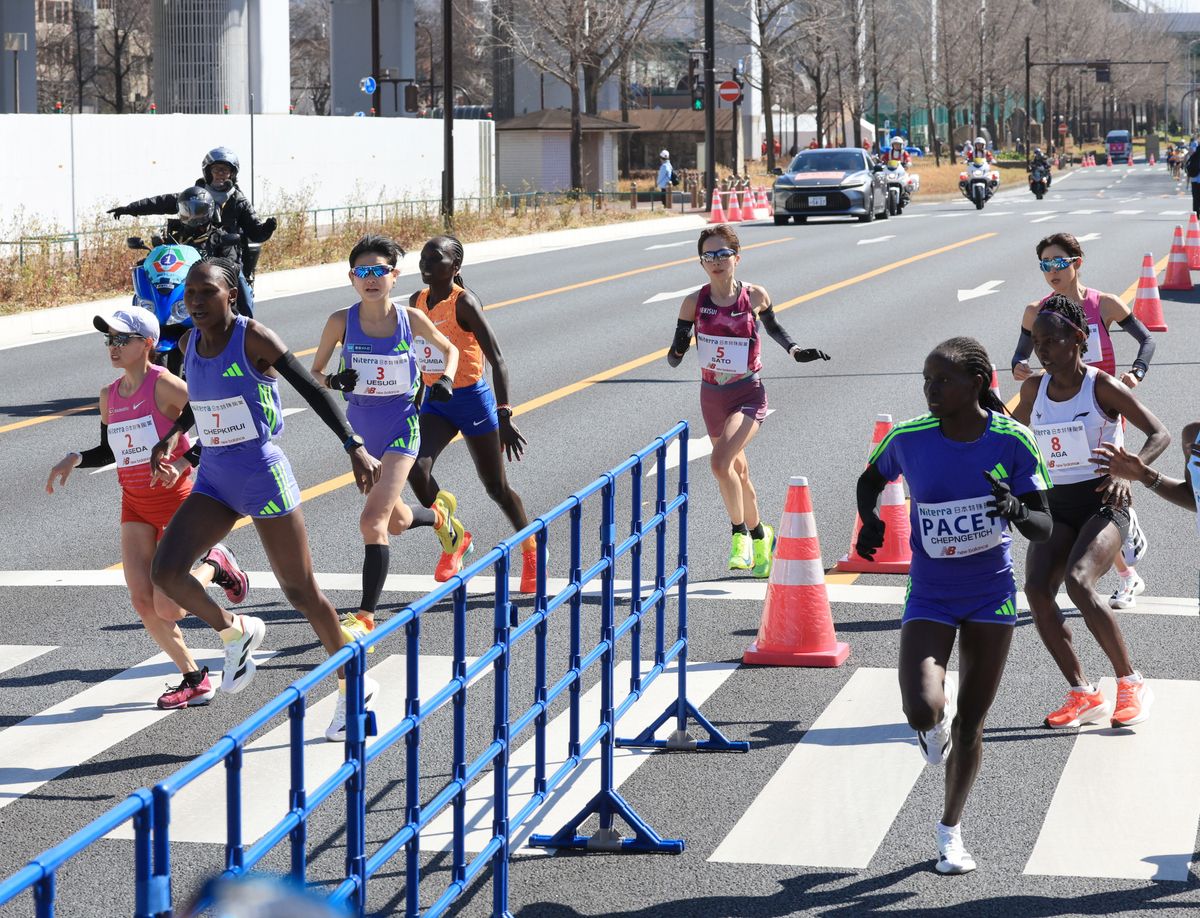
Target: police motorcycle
[901, 186]
[978, 182]
[158, 287]
[1039, 179]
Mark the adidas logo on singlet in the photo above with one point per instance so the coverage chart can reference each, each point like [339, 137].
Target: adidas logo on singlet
[234, 370]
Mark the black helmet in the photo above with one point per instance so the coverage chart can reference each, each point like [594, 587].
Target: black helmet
[196, 206]
[219, 155]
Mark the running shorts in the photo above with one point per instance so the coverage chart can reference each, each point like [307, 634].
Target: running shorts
[262, 488]
[154, 506]
[472, 409]
[718, 403]
[997, 607]
[388, 428]
[1074, 504]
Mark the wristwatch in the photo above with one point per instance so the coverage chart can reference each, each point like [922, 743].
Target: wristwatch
[352, 442]
[504, 412]
[1139, 373]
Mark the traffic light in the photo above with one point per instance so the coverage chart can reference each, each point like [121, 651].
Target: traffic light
[694, 83]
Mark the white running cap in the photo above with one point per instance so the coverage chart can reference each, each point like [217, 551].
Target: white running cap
[798, 481]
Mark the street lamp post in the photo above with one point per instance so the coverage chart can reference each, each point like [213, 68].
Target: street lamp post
[429, 39]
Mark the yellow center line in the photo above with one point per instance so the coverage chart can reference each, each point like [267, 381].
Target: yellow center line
[1132, 291]
[43, 418]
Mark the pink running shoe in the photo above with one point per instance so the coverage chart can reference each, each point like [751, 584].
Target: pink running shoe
[229, 577]
[189, 693]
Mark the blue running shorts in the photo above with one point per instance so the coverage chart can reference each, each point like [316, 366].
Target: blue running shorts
[254, 483]
[998, 607]
[472, 409]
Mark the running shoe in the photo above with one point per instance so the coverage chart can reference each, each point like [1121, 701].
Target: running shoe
[450, 564]
[529, 570]
[1081, 708]
[1134, 700]
[239, 665]
[935, 742]
[354, 627]
[1135, 546]
[764, 552]
[952, 856]
[741, 553]
[1128, 588]
[336, 731]
[194, 691]
[229, 576]
[451, 531]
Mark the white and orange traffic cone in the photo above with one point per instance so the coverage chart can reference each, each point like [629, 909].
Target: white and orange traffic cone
[1152, 163]
[734, 210]
[1110, 160]
[895, 556]
[768, 203]
[1191, 242]
[1147, 307]
[797, 622]
[1178, 277]
[717, 214]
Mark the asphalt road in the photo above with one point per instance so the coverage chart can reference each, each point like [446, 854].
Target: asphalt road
[1060, 823]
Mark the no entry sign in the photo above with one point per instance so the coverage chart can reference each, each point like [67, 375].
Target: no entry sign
[729, 91]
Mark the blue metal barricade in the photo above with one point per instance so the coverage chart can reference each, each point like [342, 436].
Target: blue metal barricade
[151, 810]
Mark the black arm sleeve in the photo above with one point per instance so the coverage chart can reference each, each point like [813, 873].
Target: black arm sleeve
[186, 419]
[1024, 347]
[319, 399]
[1141, 334]
[683, 340]
[159, 204]
[870, 486]
[775, 330]
[98, 456]
[1037, 524]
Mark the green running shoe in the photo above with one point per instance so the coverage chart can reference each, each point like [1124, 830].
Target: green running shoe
[740, 555]
[764, 552]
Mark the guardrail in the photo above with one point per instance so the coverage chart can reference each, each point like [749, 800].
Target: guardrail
[151, 810]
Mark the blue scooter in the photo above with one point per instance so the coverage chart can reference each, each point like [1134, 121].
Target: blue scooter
[158, 286]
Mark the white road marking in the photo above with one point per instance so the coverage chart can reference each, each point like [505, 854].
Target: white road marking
[876, 239]
[13, 655]
[671, 295]
[1089, 237]
[1044, 219]
[983, 289]
[1174, 213]
[1083, 212]
[668, 245]
[698, 448]
[998, 213]
[1035, 213]
[1129, 213]
[1151, 833]
[836, 795]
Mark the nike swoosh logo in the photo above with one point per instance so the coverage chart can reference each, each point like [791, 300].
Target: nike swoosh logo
[477, 423]
[136, 405]
[736, 314]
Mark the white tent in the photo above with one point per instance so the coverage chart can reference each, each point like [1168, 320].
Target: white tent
[806, 130]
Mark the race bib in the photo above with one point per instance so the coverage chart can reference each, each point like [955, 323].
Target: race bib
[429, 358]
[381, 374]
[723, 355]
[131, 441]
[1094, 352]
[224, 422]
[1064, 446]
[958, 528]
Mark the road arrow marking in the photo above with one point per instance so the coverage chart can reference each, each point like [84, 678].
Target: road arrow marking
[1089, 237]
[672, 295]
[876, 239]
[982, 290]
[668, 245]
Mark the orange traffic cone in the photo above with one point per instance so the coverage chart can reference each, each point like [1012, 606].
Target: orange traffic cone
[1110, 160]
[1152, 159]
[994, 385]
[733, 212]
[1147, 307]
[797, 623]
[896, 554]
[1130, 160]
[767, 203]
[1191, 243]
[717, 215]
[1178, 276]
[742, 200]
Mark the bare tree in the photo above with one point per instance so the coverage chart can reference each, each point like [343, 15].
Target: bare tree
[310, 56]
[816, 55]
[123, 52]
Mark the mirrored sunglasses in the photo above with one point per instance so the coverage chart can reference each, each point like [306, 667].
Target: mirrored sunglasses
[1055, 264]
[718, 255]
[364, 271]
[120, 340]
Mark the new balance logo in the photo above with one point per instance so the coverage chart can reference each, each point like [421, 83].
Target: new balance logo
[234, 370]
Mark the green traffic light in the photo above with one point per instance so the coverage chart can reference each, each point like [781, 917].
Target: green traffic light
[698, 105]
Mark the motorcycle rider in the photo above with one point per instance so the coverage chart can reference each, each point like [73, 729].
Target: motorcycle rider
[1040, 159]
[233, 224]
[896, 154]
[981, 152]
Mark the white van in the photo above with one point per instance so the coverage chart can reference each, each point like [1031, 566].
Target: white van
[1119, 145]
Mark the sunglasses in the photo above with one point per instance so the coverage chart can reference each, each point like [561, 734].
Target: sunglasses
[718, 255]
[364, 271]
[120, 340]
[1055, 264]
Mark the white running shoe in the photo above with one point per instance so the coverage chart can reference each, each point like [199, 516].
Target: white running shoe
[935, 742]
[336, 731]
[1135, 546]
[239, 665]
[952, 856]
[1127, 588]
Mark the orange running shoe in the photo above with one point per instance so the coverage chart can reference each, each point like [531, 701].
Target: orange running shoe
[1081, 708]
[450, 564]
[528, 571]
[1133, 702]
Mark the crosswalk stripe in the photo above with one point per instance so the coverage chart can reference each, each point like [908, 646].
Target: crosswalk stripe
[65, 735]
[833, 800]
[1128, 801]
[581, 785]
[198, 811]
[13, 655]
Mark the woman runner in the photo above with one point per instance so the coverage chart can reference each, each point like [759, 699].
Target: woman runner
[1060, 256]
[379, 377]
[725, 313]
[233, 390]
[970, 471]
[486, 426]
[1073, 408]
[135, 411]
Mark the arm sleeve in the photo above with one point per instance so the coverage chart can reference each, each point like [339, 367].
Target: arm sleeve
[98, 456]
[1141, 334]
[1024, 347]
[186, 419]
[159, 204]
[870, 485]
[886, 460]
[1038, 524]
[321, 400]
[683, 340]
[775, 330]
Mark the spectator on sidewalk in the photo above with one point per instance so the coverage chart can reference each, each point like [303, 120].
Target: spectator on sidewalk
[666, 177]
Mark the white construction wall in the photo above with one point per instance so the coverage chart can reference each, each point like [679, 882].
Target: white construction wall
[68, 168]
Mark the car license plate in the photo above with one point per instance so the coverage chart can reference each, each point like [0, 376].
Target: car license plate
[816, 200]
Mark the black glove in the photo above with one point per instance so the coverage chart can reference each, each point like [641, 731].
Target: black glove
[442, 390]
[223, 237]
[344, 381]
[673, 359]
[270, 225]
[808, 354]
[870, 537]
[118, 212]
[1004, 503]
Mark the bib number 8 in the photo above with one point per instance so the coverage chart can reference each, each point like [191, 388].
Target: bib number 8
[1055, 444]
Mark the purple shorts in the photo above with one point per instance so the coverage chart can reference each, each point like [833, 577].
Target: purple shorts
[717, 403]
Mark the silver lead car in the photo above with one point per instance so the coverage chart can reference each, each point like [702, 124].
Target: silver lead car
[831, 183]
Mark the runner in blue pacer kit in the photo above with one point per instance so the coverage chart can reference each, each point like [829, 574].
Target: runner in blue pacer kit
[970, 469]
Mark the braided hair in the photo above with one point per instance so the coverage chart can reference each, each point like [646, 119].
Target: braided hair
[1067, 312]
[226, 267]
[455, 247]
[972, 358]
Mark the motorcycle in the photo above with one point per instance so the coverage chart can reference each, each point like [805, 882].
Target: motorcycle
[158, 286]
[901, 186]
[978, 182]
[1038, 180]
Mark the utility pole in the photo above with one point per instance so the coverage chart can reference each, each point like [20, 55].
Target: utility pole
[1028, 102]
[447, 112]
[376, 96]
[737, 113]
[710, 103]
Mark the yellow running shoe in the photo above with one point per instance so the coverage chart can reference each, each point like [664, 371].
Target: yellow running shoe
[354, 627]
[741, 557]
[451, 531]
[764, 552]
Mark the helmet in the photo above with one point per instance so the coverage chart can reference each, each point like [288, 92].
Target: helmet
[219, 155]
[196, 206]
[897, 141]
[980, 142]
